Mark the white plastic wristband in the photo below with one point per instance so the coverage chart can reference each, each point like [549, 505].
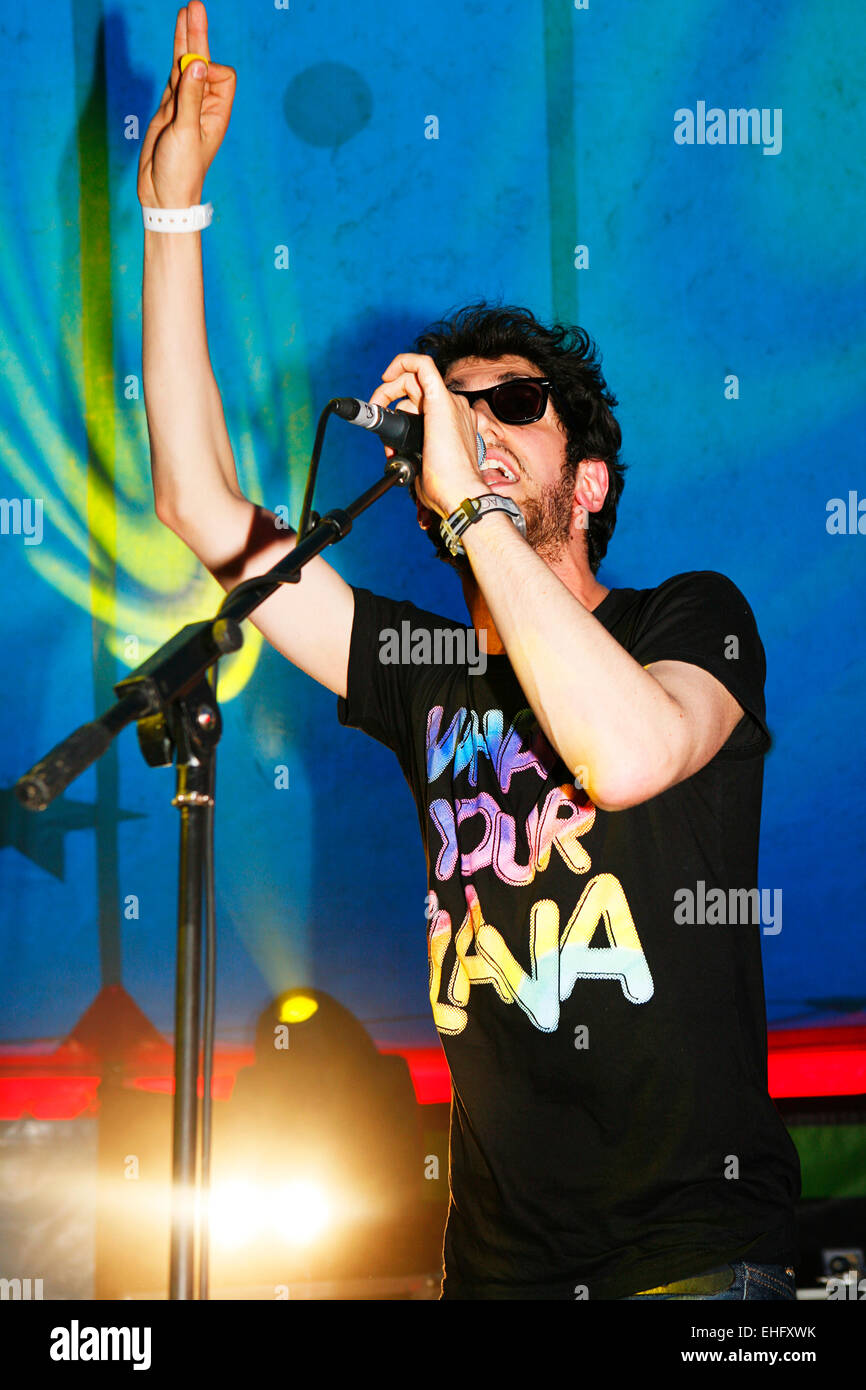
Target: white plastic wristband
[178, 219]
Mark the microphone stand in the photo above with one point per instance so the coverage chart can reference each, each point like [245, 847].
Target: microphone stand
[178, 718]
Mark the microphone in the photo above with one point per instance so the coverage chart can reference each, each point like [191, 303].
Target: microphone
[402, 432]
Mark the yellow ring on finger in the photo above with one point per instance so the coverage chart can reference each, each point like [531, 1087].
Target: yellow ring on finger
[190, 58]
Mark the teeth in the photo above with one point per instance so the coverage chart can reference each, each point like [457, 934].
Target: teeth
[500, 468]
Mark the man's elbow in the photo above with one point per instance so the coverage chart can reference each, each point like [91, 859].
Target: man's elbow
[626, 800]
[164, 513]
[602, 792]
[622, 799]
[625, 785]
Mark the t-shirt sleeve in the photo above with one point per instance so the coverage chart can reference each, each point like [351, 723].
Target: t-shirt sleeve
[702, 618]
[379, 692]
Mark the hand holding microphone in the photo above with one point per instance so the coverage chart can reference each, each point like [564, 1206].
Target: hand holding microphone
[444, 435]
[397, 429]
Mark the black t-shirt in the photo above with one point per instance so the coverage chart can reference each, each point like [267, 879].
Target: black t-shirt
[599, 1000]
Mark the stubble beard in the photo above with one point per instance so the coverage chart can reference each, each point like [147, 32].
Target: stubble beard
[548, 523]
[548, 518]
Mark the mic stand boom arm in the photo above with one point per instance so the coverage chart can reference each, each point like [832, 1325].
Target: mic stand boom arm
[173, 703]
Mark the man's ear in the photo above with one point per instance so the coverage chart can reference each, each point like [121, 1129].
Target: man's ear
[593, 481]
[426, 518]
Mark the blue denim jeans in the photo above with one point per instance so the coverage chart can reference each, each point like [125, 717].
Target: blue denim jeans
[749, 1281]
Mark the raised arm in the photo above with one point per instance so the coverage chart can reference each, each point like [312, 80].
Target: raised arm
[196, 490]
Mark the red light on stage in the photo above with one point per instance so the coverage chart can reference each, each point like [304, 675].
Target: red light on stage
[48, 1097]
[429, 1072]
[815, 1062]
[807, 1062]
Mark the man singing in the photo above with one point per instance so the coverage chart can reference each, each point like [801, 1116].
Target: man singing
[612, 1135]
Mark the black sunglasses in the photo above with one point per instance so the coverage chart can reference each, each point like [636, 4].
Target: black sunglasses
[520, 401]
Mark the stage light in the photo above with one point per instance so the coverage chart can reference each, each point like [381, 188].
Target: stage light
[324, 1131]
[301, 1211]
[297, 1008]
[235, 1213]
[241, 1214]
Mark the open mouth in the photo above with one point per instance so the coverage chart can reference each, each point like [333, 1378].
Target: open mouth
[497, 471]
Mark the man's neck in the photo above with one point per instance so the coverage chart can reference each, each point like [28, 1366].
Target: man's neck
[579, 580]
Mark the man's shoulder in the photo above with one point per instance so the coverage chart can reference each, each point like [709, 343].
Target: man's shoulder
[701, 618]
[687, 593]
[698, 616]
[700, 584]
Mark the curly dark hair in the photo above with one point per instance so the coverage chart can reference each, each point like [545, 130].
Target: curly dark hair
[571, 360]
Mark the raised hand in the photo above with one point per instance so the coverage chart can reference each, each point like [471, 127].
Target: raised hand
[189, 125]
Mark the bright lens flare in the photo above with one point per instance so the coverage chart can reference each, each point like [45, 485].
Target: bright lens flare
[236, 1212]
[300, 1212]
[240, 1214]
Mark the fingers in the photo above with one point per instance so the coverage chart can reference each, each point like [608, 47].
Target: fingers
[179, 37]
[190, 94]
[412, 374]
[412, 361]
[426, 517]
[387, 394]
[407, 385]
[179, 48]
[414, 364]
[414, 380]
[190, 36]
[196, 29]
[220, 81]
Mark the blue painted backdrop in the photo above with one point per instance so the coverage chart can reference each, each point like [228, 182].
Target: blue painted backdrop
[554, 130]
